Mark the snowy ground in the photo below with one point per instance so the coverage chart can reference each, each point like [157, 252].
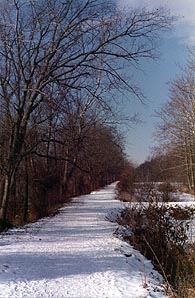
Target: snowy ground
[75, 254]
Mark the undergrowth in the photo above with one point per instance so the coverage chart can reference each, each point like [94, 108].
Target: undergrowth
[162, 234]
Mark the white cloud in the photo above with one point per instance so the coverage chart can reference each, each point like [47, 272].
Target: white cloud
[183, 9]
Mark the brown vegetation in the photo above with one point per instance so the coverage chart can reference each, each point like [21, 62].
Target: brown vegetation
[161, 233]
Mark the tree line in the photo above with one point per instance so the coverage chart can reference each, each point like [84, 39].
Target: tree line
[173, 158]
[62, 67]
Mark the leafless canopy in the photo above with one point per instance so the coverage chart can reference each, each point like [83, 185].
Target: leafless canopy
[59, 60]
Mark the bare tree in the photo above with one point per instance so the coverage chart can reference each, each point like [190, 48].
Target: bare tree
[46, 44]
[176, 131]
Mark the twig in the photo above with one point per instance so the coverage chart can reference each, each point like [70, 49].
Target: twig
[163, 272]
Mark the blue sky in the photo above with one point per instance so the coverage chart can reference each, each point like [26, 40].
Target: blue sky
[154, 83]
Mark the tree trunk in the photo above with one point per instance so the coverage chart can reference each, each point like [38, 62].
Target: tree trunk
[4, 205]
[26, 194]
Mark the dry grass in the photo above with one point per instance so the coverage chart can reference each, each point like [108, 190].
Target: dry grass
[160, 234]
[126, 197]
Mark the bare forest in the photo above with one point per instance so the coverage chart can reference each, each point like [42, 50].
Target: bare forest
[63, 65]
[176, 129]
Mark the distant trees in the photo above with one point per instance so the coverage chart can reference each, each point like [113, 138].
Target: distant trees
[160, 167]
[58, 62]
[149, 171]
[176, 130]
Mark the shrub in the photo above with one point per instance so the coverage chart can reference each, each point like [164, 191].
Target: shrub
[166, 187]
[160, 233]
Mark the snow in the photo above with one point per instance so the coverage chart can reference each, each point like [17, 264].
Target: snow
[185, 197]
[76, 254]
[145, 191]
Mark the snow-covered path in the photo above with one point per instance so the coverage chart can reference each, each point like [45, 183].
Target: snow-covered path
[75, 254]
